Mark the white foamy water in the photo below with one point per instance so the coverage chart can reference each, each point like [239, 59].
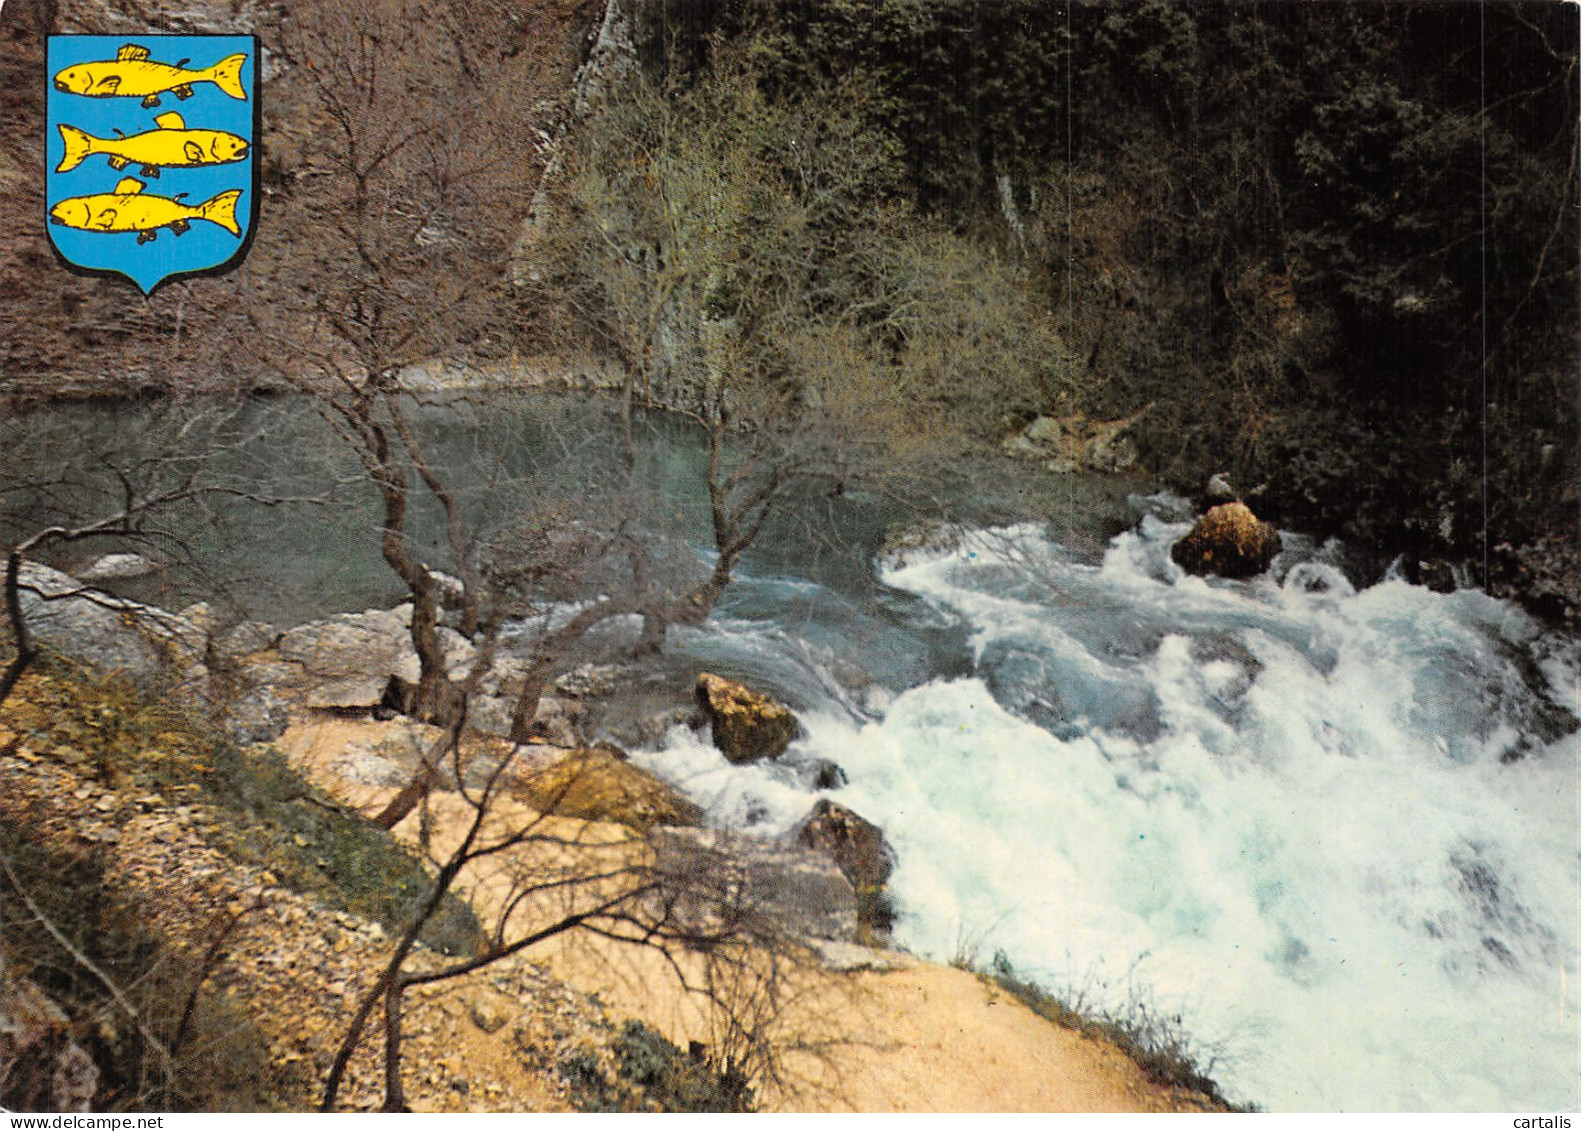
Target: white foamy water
[1334, 831]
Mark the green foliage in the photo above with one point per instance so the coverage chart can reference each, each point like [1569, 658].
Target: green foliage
[756, 249]
[675, 1080]
[1299, 231]
[278, 820]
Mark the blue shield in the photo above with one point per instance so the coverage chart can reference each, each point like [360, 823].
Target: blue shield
[149, 153]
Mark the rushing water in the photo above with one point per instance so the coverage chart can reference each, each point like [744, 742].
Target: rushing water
[1333, 830]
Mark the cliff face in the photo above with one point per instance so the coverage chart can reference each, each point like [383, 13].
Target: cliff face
[65, 332]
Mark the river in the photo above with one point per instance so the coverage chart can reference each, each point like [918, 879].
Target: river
[1330, 827]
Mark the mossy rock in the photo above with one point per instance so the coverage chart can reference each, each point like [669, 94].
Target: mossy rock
[747, 727]
[1229, 541]
[598, 784]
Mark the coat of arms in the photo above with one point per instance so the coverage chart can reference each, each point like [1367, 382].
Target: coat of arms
[149, 153]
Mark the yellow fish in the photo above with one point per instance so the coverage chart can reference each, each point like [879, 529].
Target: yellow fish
[131, 74]
[127, 209]
[171, 146]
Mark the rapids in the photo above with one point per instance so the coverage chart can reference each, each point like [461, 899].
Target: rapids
[1331, 828]
[1332, 831]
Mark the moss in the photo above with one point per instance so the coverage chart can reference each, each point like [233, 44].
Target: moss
[270, 816]
[281, 822]
[677, 1081]
[597, 784]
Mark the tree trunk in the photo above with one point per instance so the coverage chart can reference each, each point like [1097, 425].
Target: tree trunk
[525, 712]
[26, 650]
[429, 702]
[394, 1093]
[407, 799]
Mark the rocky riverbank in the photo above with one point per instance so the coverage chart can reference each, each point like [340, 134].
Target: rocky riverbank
[861, 1028]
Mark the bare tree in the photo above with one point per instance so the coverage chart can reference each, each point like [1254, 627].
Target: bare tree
[393, 285]
[550, 871]
[410, 188]
[405, 265]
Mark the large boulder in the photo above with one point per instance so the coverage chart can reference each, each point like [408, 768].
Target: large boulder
[711, 880]
[350, 659]
[109, 633]
[599, 784]
[246, 637]
[747, 727]
[1229, 541]
[855, 844]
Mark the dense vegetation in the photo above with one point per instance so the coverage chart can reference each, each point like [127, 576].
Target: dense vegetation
[1331, 249]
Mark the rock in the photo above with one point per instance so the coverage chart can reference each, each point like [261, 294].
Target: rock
[1218, 491]
[1037, 440]
[200, 615]
[597, 784]
[194, 688]
[858, 848]
[93, 628]
[258, 716]
[355, 691]
[1044, 432]
[920, 539]
[183, 642]
[264, 670]
[1229, 541]
[1109, 453]
[504, 677]
[450, 589]
[855, 844]
[488, 1012]
[588, 681]
[459, 652]
[118, 567]
[556, 723]
[244, 638]
[648, 731]
[42, 1068]
[489, 714]
[718, 880]
[350, 659]
[747, 727]
[827, 775]
[1077, 442]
